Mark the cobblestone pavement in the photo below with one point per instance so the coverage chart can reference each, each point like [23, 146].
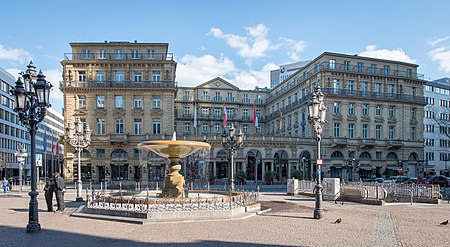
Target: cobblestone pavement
[289, 223]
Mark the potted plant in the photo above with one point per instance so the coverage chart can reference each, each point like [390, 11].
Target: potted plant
[269, 176]
[240, 176]
[296, 174]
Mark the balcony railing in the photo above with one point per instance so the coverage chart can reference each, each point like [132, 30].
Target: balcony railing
[374, 95]
[116, 84]
[116, 57]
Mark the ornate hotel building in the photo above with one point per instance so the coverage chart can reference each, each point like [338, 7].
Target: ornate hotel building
[127, 93]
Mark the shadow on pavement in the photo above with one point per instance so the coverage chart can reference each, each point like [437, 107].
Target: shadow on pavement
[13, 236]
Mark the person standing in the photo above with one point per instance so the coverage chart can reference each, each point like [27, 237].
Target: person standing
[49, 189]
[60, 188]
[5, 185]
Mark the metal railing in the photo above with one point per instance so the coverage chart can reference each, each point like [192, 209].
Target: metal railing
[112, 56]
[117, 84]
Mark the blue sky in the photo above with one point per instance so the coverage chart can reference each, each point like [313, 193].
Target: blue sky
[240, 41]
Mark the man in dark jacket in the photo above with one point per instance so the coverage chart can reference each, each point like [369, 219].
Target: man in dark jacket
[60, 188]
[49, 189]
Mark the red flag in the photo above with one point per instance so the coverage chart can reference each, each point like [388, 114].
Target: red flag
[255, 117]
[224, 116]
[57, 148]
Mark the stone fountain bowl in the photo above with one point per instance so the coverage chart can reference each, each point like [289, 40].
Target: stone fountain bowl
[174, 149]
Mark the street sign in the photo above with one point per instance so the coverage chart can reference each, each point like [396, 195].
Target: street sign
[319, 161]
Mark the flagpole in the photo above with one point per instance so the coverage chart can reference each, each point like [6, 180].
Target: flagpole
[53, 164]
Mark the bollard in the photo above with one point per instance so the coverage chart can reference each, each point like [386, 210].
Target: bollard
[208, 186]
[156, 185]
[90, 185]
[101, 186]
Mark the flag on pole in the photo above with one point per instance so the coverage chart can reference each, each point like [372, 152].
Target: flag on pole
[224, 116]
[195, 116]
[255, 117]
[281, 118]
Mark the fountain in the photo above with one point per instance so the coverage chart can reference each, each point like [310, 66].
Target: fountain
[174, 150]
[174, 203]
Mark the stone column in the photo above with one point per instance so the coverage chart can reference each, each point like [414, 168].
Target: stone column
[288, 173]
[215, 169]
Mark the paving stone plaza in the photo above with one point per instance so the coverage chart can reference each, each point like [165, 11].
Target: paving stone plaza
[289, 223]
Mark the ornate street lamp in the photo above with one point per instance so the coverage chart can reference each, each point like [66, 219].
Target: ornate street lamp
[78, 135]
[21, 154]
[317, 111]
[232, 142]
[31, 103]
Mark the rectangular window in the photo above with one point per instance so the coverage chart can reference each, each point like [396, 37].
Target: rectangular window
[378, 110]
[332, 64]
[245, 128]
[151, 54]
[346, 65]
[102, 54]
[387, 70]
[337, 130]
[100, 101]
[365, 131]
[391, 90]
[413, 113]
[187, 127]
[100, 153]
[413, 133]
[156, 126]
[364, 88]
[409, 73]
[360, 67]
[119, 126]
[337, 108]
[378, 89]
[119, 76]
[101, 126]
[350, 87]
[100, 76]
[391, 111]
[373, 68]
[378, 132]
[351, 131]
[413, 91]
[134, 54]
[118, 101]
[156, 102]
[137, 102]
[336, 86]
[119, 54]
[81, 101]
[204, 127]
[391, 132]
[137, 76]
[365, 110]
[82, 76]
[216, 128]
[351, 109]
[86, 54]
[156, 76]
[138, 126]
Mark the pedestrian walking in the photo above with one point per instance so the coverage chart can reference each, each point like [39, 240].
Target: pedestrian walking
[60, 189]
[5, 185]
[49, 190]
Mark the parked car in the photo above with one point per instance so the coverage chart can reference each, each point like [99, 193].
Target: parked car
[378, 180]
[396, 179]
[438, 180]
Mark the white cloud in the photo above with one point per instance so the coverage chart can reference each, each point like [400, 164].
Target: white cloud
[19, 55]
[54, 76]
[293, 47]
[442, 56]
[397, 55]
[14, 72]
[437, 41]
[192, 71]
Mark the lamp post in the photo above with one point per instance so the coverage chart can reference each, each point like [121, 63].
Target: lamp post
[31, 103]
[78, 135]
[232, 142]
[317, 111]
[303, 168]
[21, 154]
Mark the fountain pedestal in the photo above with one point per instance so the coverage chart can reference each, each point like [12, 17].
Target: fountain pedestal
[174, 182]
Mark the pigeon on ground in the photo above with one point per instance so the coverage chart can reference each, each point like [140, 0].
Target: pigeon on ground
[335, 201]
[444, 223]
[338, 221]
[342, 203]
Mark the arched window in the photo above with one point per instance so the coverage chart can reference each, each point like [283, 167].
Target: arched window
[413, 156]
[119, 154]
[391, 156]
[365, 156]
[337, 155]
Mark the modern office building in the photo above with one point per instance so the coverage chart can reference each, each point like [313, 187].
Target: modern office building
[12, 132]
[127, 93]
[437, 127]
[286, 70]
